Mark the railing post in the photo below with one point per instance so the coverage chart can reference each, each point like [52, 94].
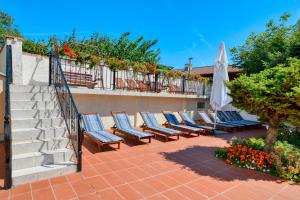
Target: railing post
[114, 79]
[80, 140]
[7, 125]
[50, 68]
[155, 81]
[183, 84]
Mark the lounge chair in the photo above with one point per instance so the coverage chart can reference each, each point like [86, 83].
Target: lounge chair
[122, 125]
[94, 129]
[150, 123]
[237, 116]
[225, 118]
[172, 122]
[142, 86]
[190, 122]
[238, 125]
[205, 120]
[120, 83]
[131, 84]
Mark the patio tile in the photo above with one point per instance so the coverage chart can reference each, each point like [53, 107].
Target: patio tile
[110, 194]
[198, 186]
[43, 194]
[40, 185]
[157, 197]
[102, 168]
[172, 194]
[74, 177]
[89, 171]
[64, 191]
[127, 176]
[98, 183]
[113, 179]
[23, 196]
[93, 196]
[128, 193]
[58, 180]
[156, 184]
[19, 189]
[191, 194]
[143, 188]
[82, 187]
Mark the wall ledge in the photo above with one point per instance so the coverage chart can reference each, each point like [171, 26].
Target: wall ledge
[88, 91]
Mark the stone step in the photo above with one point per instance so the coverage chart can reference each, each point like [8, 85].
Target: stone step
[35, 113]
[31, 88]
[37, 123]
[28, 160]
[38, 133]
[30, 146]
[41, 105]
[42, 172]
[37, 96]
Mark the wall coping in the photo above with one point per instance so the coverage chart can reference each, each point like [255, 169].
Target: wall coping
[87, 91]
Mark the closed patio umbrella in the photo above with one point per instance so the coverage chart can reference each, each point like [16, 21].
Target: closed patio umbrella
[219, 95]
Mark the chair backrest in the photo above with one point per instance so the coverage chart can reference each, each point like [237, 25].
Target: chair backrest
[122, 121]
[186, 118]
[171, 118]
[149, 119]
[92, 122]
[224, 116]
[238, 115]
[205, 117]
[231, 115]
[213, 116]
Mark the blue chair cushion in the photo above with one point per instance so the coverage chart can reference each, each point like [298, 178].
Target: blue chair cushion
[104, 136]
[165, 130]
[122, 121]
[92, 122]
[137, 133]
[171, 118]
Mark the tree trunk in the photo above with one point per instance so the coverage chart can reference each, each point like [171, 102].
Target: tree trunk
[272, 133]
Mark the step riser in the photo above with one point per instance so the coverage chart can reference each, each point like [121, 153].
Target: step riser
[23, 114]
[37, 146]
[42, 105]
[29, 178]
[38, 134]
[32, 96]
[32, 89]
[37, 123]
[45, 159]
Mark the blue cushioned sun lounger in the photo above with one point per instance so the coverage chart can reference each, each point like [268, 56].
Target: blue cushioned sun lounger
[122, 125]
[173, 122]
[237, 117]
[212, 114]
[93, 128]
[205, 119]
[188, 121]
[150, 123]
[226, 118]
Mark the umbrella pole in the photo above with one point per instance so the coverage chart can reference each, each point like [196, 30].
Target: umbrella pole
[215, 120]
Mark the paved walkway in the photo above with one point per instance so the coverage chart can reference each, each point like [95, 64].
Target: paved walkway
[184, 169]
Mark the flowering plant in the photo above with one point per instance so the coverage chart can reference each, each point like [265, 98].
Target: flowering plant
[247, 157]
[151, 68]
[65, 50]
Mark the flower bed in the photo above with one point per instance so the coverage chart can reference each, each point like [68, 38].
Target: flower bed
[284, 161]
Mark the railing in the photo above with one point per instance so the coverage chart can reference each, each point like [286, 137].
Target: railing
[7, 120]
[102, 77]
[68, 107]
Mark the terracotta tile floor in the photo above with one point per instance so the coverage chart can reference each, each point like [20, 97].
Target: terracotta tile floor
[184, 169]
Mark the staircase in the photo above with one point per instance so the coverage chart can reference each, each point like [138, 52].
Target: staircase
[40, 143]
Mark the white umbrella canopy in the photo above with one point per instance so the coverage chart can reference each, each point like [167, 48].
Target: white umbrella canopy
[219, 95]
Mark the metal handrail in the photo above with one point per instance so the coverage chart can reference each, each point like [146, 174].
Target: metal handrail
[7, 120]
[67, 104]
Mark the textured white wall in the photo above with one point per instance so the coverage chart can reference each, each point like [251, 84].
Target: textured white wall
[35, 69]
[104, 104]
[2, 105]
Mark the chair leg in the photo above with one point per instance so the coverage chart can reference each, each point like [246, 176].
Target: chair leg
[177, 137]
[99, 146]
[119, 145]
[149, 139]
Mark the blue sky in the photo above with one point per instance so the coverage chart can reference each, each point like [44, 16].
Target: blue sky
[186, 28]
